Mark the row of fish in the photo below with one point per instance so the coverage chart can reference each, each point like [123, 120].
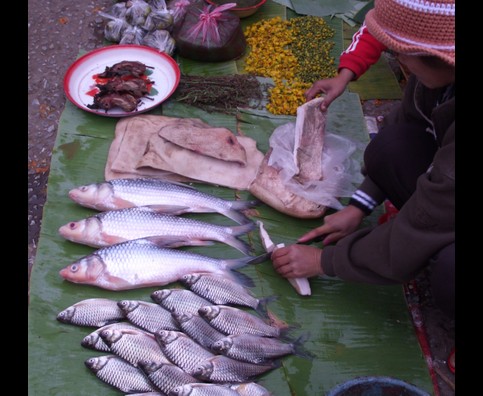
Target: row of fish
[196, 341]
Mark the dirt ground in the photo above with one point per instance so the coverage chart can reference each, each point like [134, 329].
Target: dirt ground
[57, 30]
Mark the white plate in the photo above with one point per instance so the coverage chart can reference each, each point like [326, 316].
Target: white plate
[79, 81]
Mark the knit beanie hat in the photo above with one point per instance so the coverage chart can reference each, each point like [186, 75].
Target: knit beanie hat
[415, 27]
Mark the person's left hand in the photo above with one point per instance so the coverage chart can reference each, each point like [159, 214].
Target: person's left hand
[297, 261]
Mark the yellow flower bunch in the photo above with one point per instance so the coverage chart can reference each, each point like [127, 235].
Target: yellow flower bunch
[294, 53]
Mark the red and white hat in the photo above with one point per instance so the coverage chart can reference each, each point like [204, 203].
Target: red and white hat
[415, 27]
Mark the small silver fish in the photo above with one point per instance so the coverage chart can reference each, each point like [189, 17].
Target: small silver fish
[166, 376]
[116, 226]
[223, 369]
[179, 300]
[148, 316]
[120, 374]
[201, 389]
[94, 340]
[252, 349]
[133, 345]
[198, 328]
[181, 350]
[173, 198]
[93, 312]
[232, 320]
[250, 389]
[142, 263]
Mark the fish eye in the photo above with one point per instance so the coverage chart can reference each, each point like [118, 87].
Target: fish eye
[74, 268]
[83, 188]
[72, 225]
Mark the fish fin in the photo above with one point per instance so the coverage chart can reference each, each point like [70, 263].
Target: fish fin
[242, 205]
[242, 229]
[237, 216]
[299, 350]
[242, 278]
[239, 244]
[261, 308]
[170, 209]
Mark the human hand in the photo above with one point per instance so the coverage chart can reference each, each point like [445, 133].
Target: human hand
[297, 261]
[332, 87]
[336, 226]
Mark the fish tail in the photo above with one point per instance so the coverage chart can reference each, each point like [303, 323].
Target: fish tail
[299, 349]
[242, 229]
[262, 308]
[240, 245]
[237, 216]
[248, 260]
[241, 278]
[242, 205]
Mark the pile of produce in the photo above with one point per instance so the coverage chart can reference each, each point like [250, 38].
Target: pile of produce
[294, 53]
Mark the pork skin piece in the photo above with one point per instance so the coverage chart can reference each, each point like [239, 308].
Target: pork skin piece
[219, 143]
[269, 188]
[309, 140]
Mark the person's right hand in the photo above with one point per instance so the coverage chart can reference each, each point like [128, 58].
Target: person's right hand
[336, 226]
[332, 87]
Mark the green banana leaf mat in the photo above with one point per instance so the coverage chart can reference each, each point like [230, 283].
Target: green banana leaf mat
[351, 329]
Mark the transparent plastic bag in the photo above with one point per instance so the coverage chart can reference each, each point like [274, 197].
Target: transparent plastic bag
[133, 35]
[114, 28]
[178, 9]
[160, 40]
[159, 18]
[341, 172]
[137, 12]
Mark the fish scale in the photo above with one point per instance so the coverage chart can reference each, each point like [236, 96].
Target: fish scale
[203, 390]
[148, 316]
[179, 300]
[166, 376]
[94, 312]
[198, 328]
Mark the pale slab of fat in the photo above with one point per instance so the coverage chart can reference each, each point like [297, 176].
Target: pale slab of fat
[301, 285]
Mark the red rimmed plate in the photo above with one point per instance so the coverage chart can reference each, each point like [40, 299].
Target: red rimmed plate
[80, 79]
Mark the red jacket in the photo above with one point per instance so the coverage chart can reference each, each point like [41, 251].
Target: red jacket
[362, 53]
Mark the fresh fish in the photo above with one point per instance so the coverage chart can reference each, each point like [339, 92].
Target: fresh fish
[223, 369]
[115, 226]
[148, 316]
[231, 320]
[250, 389]
[179, 300]
[200, 389]
[181, 350]
[142, 263]
[133, 345]
[120, 374]
[173, 198]
[147, 394]
[253, 349]
[166, 376]
[94, 340]
[197, 328]
[93, 312]
[223, 291]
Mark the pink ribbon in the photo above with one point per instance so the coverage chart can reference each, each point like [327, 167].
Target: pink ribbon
[208, 22]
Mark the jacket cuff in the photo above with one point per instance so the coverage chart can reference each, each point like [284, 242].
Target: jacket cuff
[363, 201]
[326, 261]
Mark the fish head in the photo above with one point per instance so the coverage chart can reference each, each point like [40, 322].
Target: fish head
[97, 363]
[204, 370]
[149, 367]
[83, 231]
[190, 279]
[181, 317]
[90, 340]
[110, 336]
[160, 295]
[86, 270]
[66, 315]
[181, 390]
[222, 345]
[165, 337]
[92, 195]
[127, 306]
[209, 312]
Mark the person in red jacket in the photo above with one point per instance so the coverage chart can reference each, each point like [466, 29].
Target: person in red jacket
[362, 53]
[410, 162]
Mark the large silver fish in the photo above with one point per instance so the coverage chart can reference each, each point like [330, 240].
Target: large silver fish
[120, 374]
[181, 350]
[197, 328]
[201, 389]
[179, 300]
[94, 340]
[142, 263]
[133, 345]
[148, 316]
[253, 349]
[115, 226]
[222, 369]
[173, 198]
[232, 320]
[93, 312]
[166, 376]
